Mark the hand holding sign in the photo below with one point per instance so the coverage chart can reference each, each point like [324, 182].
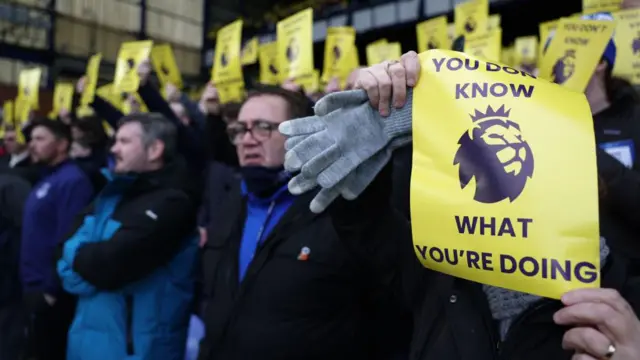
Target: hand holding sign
[606, 326]
[144, 70]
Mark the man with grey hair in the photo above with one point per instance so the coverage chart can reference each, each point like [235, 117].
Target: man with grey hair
[131, 258]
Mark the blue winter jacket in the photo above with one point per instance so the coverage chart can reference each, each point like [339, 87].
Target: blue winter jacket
[133, 277]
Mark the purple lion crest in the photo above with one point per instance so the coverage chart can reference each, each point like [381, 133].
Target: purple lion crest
[564, 68]
[494, 153]
[636, 45]
[224, 59]
[470, 25]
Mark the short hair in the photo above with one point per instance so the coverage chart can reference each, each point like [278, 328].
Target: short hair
[59, 130]
[298, 104]
[155, 127]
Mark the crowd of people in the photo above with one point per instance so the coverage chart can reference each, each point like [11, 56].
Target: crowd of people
[113, 247]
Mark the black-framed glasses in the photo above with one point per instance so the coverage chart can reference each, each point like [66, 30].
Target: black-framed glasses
[260, 130]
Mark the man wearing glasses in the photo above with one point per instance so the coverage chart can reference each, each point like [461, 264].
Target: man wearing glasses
[278, 283]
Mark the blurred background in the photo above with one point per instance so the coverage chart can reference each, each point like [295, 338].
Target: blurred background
[60, 35]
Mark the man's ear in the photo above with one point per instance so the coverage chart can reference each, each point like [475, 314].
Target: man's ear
[155, 150]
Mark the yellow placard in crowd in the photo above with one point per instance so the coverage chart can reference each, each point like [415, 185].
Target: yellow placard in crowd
[231, 92]
[507, 56]
[165, 65]
[487, 46]
[62, 97]
[378, 52]
[249, 53]
[7, 116]
[108, 93]
[29, 87]
[545, 30]
[338, 62]
[526, 53]
[227, 66]
[130, 56]
[494, 22]
[268, 55]
[432, 34]
[594, 6]
[91, 79]
[472, 17]
[575, 51]
[295, 45]
[310, 83]
[451, 32]
[493, 195]
[627, 38]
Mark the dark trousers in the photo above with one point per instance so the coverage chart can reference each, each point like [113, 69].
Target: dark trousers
[48, 327]
[13, 323]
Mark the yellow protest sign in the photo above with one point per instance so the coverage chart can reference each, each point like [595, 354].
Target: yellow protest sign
[432, 34]
[7, 116]
[249, 53]
[227, 66]
[268, 55]
[472, 17]
[29, 87]
[507, 56]
[526, 53]
[487, 45]
[544, 30]
[451, 32]
[165, 65]
[310, 83]
[108, 93]
[62, 97]
[575, 51]
[231, 92]
[490, 165]
[627, 38]
[378, 52]
[133, 105]
[91, 79]
[130, 56]
[494, 22]
[295, 45]
[594, 6]
[338, 62]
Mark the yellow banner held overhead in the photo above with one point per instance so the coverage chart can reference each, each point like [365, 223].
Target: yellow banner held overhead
[544, 31]
[130, 56]
[338, 62]
[594, 6]
[227, 66]
[249, 53]
[487, 45]
[29, 87]
[627, 38]
[165, 65]
[91, 79]
[472, 17]
[432, 34]
[310, 83]
[490, 165]
[378, 52]
[575, 51]
[268, 55]
[295, 45]
[62, 97]
[231, 92]
[526, 53]
[494, 22]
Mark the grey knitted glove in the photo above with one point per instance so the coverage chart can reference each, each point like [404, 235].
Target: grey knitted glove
[346, 134]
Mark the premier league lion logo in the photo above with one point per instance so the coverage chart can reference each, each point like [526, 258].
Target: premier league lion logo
[131, 64]
[272, 69]
[564, 67]
[636, 44]
[224, 59]
[494, 153]
[292, 50]
[470, 25]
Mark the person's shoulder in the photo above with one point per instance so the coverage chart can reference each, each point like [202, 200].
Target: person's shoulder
[71, 174]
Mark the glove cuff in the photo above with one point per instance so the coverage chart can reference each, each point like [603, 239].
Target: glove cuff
[398, 124]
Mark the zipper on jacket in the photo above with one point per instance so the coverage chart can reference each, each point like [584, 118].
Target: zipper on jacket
[129, 324]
